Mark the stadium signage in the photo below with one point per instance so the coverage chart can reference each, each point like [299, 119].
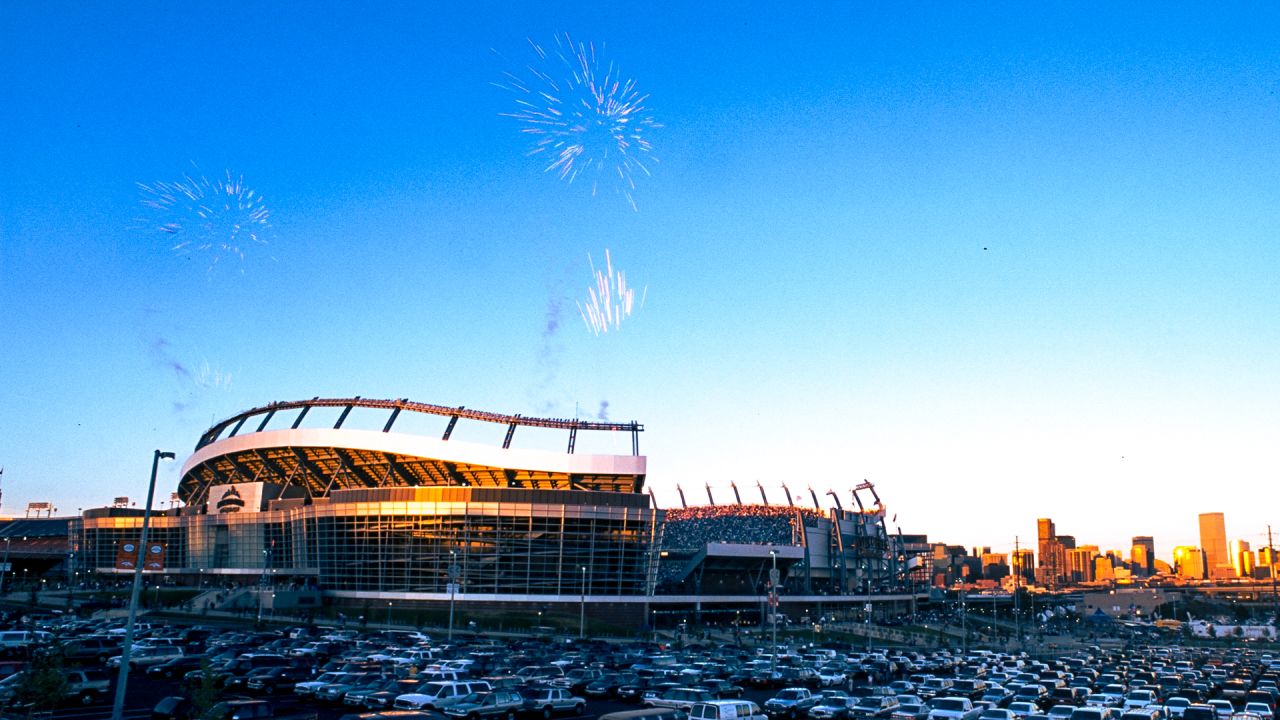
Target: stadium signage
[237, 498]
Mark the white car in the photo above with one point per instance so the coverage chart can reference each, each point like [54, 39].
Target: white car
[1022, 709]
[1174, 707]
[1262, 710]
[1139, 699]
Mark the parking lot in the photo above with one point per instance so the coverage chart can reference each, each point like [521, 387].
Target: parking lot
[325, 673]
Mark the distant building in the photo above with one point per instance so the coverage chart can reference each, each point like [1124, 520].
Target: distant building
[995, 566]
[1142, 557]
[1267, 565]
[1080, 564]
[1102, 568]
[1213, 540]
[1241, 558]
[1189, 562]
[1053, 558]
[1023, 565]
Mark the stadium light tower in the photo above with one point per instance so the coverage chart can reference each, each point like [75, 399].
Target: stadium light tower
[117, 709]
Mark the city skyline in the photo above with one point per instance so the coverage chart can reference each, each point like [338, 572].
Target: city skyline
[1004, 262]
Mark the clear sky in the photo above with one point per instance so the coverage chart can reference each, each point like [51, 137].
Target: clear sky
[1005, 261]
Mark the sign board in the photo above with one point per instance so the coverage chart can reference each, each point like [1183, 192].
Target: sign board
[237, 498]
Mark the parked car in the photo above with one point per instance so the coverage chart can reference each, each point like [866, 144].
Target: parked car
[727, 710]
[550, 701]
[147, 655]
[495, 704]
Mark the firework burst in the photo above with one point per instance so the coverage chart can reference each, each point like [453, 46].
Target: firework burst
[609, 299]
[219, 217]
[586, 120]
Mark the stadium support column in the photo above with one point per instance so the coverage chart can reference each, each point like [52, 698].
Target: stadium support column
[117, 709]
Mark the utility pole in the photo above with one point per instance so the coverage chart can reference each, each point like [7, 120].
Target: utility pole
[1017, 591]
[1275, 599]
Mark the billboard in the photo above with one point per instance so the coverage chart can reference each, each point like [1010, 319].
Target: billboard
[237, 498]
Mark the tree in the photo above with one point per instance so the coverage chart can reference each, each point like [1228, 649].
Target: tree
[43, 685]
[206, 694]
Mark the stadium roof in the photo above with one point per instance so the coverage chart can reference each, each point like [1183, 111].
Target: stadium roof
[321, 460]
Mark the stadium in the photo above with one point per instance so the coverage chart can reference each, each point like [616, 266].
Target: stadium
[292, 506]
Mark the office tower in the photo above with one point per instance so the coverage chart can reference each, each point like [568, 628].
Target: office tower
[1241, 558]
[994, 565]
[1053, 560]
[1142, 558]
[1080, 563]
[1102, 569]
[1213, 540]
[1023, 565]
[1189, 562]
[1267, 559]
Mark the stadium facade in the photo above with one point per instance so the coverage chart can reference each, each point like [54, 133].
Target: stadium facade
[361, 513]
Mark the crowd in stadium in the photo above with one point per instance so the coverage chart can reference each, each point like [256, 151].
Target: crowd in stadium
[694, 527]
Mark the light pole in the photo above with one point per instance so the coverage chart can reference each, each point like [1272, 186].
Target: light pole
[773, 605]
[117, 709]
[582, 607]
[4, 569]
[453, 587]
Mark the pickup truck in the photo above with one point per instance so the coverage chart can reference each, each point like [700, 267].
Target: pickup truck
[953, 708]
[253, 710]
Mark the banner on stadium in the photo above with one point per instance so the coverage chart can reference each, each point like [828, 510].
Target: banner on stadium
[154, 558]
[127, 556]
[237, 498]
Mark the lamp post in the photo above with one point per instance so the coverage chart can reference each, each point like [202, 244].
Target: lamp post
[453, 587]
[4, 569]
[773, 605]
[117, 709]
[582, 607]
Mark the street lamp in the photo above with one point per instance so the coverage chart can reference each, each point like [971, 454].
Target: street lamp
[4, 569]
[117, 710]
[453, 587]
[773, 605]
[582, 607]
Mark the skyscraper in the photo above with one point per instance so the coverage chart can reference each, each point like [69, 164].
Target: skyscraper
[1241, 558]
[1188, 562]
[1142, 557]
[1053, 557]
[1213, 540]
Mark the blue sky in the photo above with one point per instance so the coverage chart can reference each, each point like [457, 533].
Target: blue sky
[1003, 261]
